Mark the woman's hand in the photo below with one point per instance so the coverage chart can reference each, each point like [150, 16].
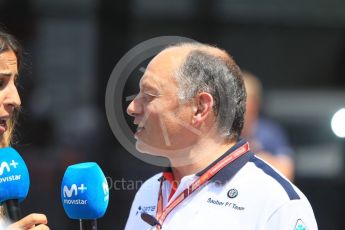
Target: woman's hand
[33, 221]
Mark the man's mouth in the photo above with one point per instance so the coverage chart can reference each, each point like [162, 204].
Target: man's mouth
[138, 131]
[139, 128]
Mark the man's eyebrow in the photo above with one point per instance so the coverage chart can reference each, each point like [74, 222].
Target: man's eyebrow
[145, 86]
[149, 87]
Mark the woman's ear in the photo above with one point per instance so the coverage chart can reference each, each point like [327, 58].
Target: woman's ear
[202, 108]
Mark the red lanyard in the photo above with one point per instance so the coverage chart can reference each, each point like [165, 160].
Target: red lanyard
[162, 214]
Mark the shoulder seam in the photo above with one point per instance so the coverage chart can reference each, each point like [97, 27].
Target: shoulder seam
[292, 194]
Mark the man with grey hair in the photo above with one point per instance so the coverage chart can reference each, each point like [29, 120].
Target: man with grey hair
[190, 109]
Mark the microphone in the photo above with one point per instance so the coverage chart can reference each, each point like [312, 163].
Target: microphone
[14, 182]
[85, 194]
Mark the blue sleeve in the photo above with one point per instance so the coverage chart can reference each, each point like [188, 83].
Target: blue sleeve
[272, 138]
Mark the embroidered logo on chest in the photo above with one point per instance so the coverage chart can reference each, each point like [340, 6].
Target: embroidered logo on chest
[146, 209]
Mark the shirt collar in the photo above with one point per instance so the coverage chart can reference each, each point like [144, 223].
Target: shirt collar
[229, 170]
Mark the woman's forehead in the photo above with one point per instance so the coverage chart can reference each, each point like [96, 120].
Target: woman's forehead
[8, 61]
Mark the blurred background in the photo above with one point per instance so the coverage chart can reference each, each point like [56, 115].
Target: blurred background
[296, 48]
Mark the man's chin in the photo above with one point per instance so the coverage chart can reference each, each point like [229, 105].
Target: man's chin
[148, 149]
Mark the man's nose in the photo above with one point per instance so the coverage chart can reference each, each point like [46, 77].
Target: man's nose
[135, 107]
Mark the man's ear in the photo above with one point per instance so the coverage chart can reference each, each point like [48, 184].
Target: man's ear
[202, 108]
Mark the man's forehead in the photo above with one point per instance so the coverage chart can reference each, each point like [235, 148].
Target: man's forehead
[149, 79]
[162, 68]
[169, 58]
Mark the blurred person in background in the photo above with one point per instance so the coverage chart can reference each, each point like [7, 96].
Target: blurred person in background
[266, 137]
[10, 61]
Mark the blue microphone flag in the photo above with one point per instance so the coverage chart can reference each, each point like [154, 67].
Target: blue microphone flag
[14, 176]
[84, 191]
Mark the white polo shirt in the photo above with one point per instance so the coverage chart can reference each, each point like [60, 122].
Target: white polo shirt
[245, 194]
